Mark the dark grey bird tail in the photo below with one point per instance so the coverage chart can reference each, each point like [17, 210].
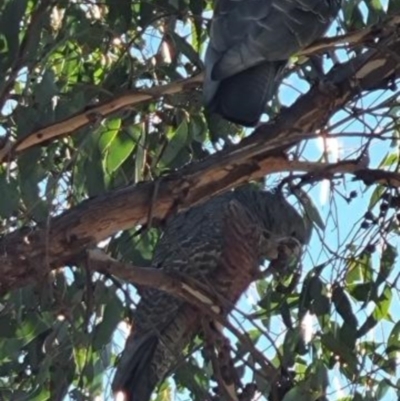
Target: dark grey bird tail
[133, 376]
[242, 98]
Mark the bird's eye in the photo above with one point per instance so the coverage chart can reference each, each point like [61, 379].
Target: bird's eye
[293, 234]
[266, 235]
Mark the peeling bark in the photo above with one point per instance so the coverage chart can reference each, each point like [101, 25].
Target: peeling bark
[29, 254]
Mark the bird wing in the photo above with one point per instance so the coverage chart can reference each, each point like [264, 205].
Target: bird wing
[245, 33]
[191, 245]
[218, 243]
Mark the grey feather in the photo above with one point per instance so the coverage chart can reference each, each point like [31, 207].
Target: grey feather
[257, 33]
[241, 98]
[217, 243]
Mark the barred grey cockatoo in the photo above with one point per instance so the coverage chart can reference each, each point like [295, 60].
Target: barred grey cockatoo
[250, 43]
[220, 243]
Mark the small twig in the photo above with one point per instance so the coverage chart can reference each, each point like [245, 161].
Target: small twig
[156, 278]
[154, 196]
[217, 347]
[95, 113]
[193, 293]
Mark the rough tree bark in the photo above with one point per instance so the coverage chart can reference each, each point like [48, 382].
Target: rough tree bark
[28, 254]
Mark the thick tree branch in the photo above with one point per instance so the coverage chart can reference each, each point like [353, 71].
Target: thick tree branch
[355, 38]
[96, 113]
[194, 293]
[28, 254]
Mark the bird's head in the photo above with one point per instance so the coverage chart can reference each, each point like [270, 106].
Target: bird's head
[284, 228]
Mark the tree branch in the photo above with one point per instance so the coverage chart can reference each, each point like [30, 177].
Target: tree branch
[194, 293]
[23, 252]
[68, 235]
[93, 114]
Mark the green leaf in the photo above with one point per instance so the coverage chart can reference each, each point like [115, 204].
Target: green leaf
[310, 209]
[31, 174]
[263, 385]
[196, 7]
[10, 196]
[190, 376]
[343, 306]
[300, 394]
[387, 263]
[359, 269]
[46, 89]
[10, 27]
[353, 16]
[120, 14]
[376, 196]
[369, 324]
[383, 304]
[33, 325]
[313, 297]
[164, 392]
[348, 335]
[381, 311]
[290, 345]
[131, 250]
[383, 386]
[186, 49]
[376, 12]
[177, 141]
[108, 133]
[111, 317]
[361, 292]
[242, 349]
[93, 175]
[197, 129]
[335, 345]
[119, 150]
[140, 158]
[393, 343]
[317, 377]
[389, 160]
